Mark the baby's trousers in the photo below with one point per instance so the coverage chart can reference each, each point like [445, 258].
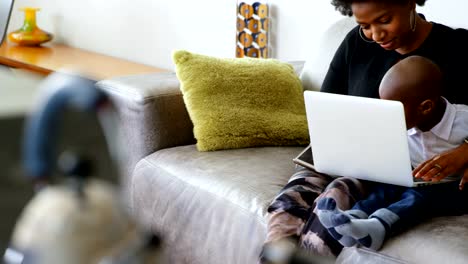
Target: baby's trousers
[413, 205]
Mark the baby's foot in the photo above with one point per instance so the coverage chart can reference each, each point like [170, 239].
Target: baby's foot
[345, 241]
[331, 216]
[370, 233]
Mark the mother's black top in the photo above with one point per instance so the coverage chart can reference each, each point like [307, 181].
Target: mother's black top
[358, 67]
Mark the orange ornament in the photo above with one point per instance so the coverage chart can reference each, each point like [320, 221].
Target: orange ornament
[29, 34]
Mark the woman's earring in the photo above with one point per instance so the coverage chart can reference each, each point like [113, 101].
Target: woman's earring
[413, 20]
[361, 34]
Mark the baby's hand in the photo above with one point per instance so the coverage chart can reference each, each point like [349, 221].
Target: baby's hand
[464, 179]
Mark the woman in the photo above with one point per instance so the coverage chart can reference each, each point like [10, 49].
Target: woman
[388, 31]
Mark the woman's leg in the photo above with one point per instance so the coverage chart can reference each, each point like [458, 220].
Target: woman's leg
[291, 214]
[291, 210]
[345, 192]
[292, 206]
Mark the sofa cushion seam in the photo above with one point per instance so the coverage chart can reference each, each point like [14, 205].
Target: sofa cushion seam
[145, 100]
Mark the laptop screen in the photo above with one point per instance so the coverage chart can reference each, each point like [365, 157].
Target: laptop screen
[5, 11]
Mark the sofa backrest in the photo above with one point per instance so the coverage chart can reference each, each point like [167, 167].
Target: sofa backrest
[316, 67]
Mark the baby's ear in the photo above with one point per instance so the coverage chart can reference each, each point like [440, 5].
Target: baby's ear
[426, 106]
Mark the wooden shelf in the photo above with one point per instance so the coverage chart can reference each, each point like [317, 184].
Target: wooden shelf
[54, 57]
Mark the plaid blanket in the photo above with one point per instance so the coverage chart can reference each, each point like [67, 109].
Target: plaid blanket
[292, 212]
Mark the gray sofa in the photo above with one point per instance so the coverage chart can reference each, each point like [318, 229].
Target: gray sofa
[211, 206]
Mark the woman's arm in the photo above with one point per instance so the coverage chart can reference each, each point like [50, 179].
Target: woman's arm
[452, 161]
[336, 80]
[448, 163]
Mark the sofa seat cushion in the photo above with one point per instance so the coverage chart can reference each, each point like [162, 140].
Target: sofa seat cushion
[440, 240]
[217, 200]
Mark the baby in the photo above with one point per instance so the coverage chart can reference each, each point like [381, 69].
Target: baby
[434, 126]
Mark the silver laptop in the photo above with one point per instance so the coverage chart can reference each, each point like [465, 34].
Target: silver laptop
[359, 137]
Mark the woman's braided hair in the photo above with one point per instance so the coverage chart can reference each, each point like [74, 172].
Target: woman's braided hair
[344, 6]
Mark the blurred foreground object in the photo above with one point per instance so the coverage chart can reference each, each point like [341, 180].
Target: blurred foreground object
[286, 252]
[30, 34]
[80, 221]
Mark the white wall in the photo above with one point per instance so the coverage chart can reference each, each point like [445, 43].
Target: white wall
[147, 31]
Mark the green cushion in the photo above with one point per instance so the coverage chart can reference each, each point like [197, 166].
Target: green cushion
[239, 103]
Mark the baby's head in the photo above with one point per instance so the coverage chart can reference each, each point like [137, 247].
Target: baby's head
[417, 83]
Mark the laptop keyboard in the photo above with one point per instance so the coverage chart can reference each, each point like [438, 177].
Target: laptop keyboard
[451, 178]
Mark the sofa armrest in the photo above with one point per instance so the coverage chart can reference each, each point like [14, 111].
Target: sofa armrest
[152, 113]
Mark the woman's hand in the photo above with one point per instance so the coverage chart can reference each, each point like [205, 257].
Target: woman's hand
[443, 165]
